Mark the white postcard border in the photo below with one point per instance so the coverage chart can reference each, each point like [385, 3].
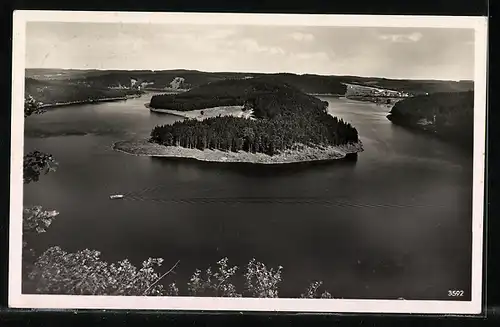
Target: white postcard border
[18, 300]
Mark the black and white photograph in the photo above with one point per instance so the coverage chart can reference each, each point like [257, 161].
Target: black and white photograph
[247, 162]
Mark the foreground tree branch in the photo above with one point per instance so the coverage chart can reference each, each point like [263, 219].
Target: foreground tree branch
[32, 107]
[37, 163]
[165, 274]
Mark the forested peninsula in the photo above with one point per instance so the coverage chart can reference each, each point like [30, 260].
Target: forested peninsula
[449, 116]
[282, 125]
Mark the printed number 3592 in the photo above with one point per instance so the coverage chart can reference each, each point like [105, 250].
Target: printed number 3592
[455, 293]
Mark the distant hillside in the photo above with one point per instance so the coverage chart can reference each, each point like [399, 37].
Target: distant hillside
[415, 87]
[169, 80]
[110, 78]
[158, 80]
[285, 117]
[50, 92]
[191, 78]
[447, 115]
[60, 74]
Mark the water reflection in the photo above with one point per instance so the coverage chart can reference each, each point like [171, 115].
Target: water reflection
[183, 165]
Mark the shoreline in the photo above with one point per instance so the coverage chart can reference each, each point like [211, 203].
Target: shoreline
[333, 95]
[377, 99]
[306, 154]
[166, 111]
[71, 103]
[200, 114]
[165, 91]
[464, 143]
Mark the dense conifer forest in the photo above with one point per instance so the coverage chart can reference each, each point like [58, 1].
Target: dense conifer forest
[285, 118]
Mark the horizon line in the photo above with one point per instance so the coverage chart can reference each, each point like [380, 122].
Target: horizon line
[247, 72]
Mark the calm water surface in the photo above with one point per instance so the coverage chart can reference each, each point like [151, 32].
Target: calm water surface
[394, 223]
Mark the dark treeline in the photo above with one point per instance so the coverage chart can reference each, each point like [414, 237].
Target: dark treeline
[230, 92]
[449, 115]
[285, 117]
[314, 83]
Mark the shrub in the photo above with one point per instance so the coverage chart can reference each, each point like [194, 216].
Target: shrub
[214, 283]
[35, 164]
[261, 281]
[32, 107]
[37, 220]
[312, 292]
[84, 273]
[172, 290]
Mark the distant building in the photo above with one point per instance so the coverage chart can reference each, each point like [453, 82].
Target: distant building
[145, 84]
[177, 83]
[364, 90]
[119, 87]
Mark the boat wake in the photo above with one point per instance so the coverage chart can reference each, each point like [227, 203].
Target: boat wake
[276, 200]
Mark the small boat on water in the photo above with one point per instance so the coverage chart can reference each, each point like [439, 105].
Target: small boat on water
[116, 196]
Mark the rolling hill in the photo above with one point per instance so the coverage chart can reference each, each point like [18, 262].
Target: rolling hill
[307, 83]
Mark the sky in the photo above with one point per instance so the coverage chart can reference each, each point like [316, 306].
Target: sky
[411, 53]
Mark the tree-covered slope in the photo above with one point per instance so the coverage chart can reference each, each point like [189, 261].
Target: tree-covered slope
[285, 118]
[448, 115]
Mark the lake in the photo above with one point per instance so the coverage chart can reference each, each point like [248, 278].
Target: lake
[394, 223]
